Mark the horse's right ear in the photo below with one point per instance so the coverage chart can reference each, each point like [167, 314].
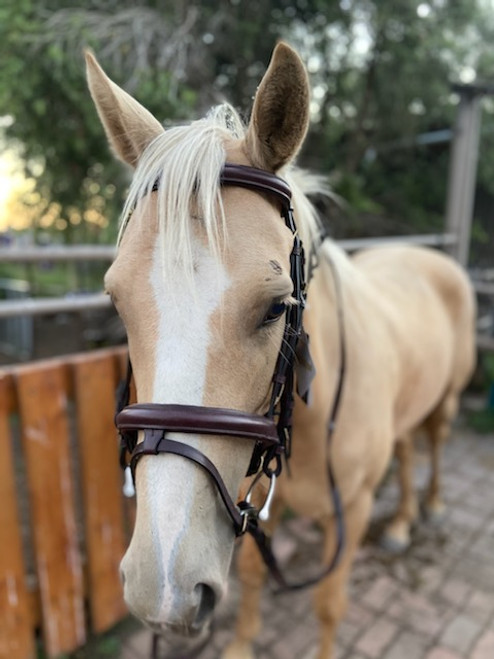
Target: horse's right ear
[128, 125]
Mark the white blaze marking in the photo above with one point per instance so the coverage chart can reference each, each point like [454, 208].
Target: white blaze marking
[183, 337]
[180, 374]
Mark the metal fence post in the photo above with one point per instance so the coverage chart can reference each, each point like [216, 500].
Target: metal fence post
[463, 170]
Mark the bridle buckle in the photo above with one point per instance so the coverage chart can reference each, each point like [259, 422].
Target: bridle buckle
[247, 512]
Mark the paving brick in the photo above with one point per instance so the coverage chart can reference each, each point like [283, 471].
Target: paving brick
[480, 606]
[461, 633]
[140, 641]
[442, 653]
[380, 593]
[483, 545]
[479, 572]
[348, 632]
[284, 547]
[457, 543]
[293, 643]
[430, 577]
[456, 592]
[312, 653]
[419, 613]
[353, 655]
[406, 646]
[129, 653]
[484, 648]
[476, 500]
[377, 638]
[359, 615]
[466, 519]
[221, 639]
[138, 645]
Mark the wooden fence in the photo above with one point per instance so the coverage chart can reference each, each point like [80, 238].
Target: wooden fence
[63, 522]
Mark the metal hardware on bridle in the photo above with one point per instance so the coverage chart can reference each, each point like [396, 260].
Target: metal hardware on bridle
[270, 433]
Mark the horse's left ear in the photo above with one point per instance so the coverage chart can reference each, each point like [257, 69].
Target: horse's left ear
[280, 116]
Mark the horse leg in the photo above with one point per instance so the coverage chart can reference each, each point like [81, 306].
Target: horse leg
[437, 427]
[251, 571]
[330, 596]
[397, 534]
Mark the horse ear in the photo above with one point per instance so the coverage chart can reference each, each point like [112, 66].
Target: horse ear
[280, 116]
[128, 125]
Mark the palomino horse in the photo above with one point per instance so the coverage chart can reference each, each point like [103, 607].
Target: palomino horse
[202, 281]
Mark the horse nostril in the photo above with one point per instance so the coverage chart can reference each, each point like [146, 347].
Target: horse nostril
[122, 577]
[207, 602]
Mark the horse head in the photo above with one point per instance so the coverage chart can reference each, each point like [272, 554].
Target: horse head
[202, 282]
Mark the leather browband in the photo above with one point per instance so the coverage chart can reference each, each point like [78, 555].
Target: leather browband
[194, 419]
[258, 180]
[252, 178]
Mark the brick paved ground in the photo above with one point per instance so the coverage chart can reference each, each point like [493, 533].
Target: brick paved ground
[434, 602]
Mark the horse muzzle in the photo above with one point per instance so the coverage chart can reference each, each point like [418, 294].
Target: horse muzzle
[174, 614]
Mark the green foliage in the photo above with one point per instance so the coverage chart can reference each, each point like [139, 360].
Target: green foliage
[374, 106]
[488, 366]
[482, 421]
[353, 190]
[380, 71]
[43, 87]
[55, 279]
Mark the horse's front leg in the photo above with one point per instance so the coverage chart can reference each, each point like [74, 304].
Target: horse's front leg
[251, 571]
[331, 595]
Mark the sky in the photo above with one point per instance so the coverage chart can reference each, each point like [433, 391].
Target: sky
[5, 191]
[11, 183]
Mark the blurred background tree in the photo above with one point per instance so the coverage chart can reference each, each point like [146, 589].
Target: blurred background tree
[380, 70]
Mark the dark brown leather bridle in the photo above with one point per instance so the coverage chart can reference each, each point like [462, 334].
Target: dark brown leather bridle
[270, 433]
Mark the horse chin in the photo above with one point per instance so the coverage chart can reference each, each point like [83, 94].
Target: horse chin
[180, 640]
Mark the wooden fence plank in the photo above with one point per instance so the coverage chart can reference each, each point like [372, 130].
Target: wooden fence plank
[9, 397]
[94, 385]
[10, 372]
[43, 406]
[16, 632]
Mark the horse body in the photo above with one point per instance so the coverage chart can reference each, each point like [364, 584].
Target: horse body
[397, 302]
[199, 280]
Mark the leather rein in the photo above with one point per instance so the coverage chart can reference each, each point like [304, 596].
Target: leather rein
[271, 433]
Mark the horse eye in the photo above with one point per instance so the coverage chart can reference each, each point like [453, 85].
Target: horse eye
[276, 310]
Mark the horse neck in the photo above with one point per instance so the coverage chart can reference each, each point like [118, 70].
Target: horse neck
[339, 300]
[328, 290]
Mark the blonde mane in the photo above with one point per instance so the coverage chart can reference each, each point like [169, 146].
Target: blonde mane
[190, 159]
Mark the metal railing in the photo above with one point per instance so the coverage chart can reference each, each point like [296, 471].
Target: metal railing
[426, 240]
[49, 305]
[16, 332]
[55, 253]
[78, 303]
[22, 309]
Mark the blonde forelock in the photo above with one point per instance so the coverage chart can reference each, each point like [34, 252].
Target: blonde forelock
[186, 164]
